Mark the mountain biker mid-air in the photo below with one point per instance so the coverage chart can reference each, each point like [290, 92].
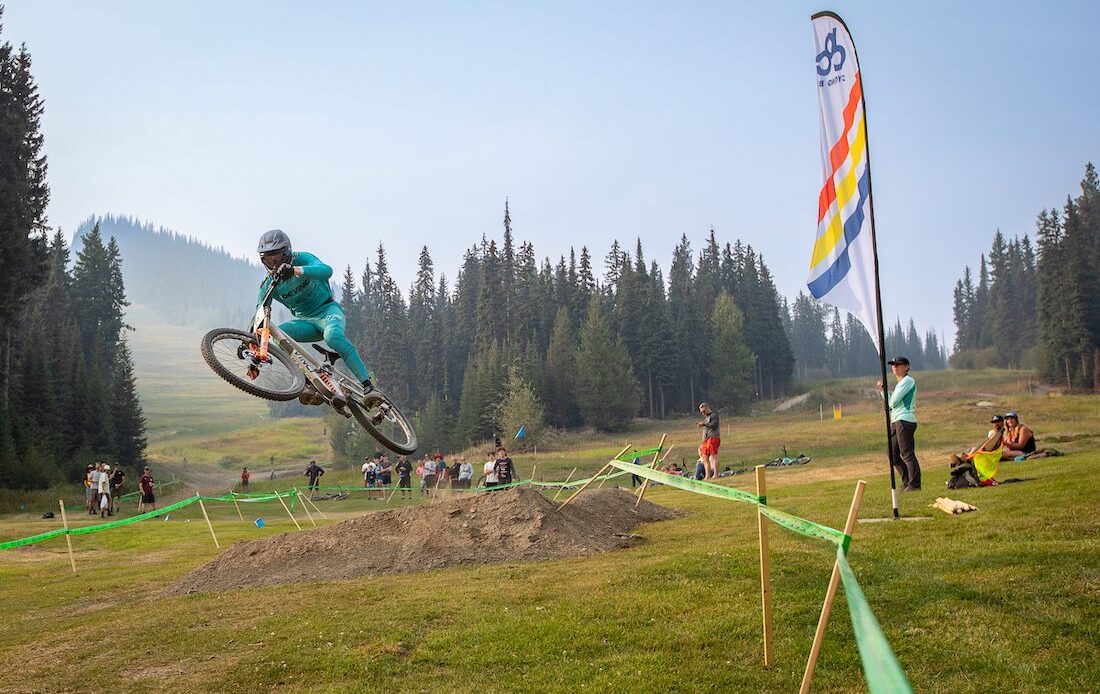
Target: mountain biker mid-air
[304, 289]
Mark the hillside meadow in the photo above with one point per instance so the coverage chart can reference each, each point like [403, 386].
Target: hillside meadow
[1004, 599]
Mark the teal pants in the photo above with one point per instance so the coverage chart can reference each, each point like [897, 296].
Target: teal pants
[329, 325]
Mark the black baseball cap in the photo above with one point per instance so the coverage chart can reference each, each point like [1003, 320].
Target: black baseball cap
[996, 418]
[898, 360]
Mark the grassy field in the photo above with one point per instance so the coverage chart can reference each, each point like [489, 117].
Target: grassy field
[1006, 599]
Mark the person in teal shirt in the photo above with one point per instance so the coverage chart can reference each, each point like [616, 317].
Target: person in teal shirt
[304, 289]
[903, 425]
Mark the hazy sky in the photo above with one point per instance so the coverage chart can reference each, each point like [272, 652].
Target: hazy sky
[409, 123]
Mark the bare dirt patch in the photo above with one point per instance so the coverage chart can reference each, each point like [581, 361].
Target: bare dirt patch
[512, 525]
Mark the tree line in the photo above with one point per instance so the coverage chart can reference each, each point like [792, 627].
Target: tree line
[1038, 307]
[829, 345]
[519, 342]
[67, 393]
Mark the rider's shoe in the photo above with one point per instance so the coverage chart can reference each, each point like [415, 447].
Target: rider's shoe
[368, 391]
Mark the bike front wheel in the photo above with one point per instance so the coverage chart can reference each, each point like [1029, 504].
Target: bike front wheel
[387, 424]
[234, 355]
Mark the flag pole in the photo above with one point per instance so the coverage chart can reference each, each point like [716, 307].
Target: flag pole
[878, 292]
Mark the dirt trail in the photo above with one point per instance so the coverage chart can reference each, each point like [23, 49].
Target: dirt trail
[512, 525]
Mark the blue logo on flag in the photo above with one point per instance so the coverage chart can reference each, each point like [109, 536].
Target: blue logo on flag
[832, 58]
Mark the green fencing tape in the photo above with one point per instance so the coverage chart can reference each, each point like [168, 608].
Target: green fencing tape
[806, 527]
[688, 484]
[880, 666]
[133, 519]
[502, 486]
[631, 455]
[32, 539]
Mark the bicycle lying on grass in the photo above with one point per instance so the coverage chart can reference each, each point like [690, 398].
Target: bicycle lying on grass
[265, 362]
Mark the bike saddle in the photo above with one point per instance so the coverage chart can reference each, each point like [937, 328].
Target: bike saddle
[328, 354]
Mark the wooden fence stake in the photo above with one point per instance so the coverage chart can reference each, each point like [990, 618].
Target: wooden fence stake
[305, 506]
[68, 540]
[765, 570]
[319, 511]
[819, 635]
[562, 488]
[583, 486]
[533, 468]
[236, 505]
[287, 509]
[652, 465]
[208, 523]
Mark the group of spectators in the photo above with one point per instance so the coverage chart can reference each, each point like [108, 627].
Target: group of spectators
[103, 489]
[435, 473]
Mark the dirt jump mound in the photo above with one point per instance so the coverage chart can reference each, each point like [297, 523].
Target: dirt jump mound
[510, 525]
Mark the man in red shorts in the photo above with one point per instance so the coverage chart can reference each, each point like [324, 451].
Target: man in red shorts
[708, 451]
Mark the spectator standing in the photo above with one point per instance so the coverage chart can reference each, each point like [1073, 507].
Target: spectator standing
[1019, 438]
[903, 425]
[105, 491]
[504, 468]
[89, 490]
[429, 476]
[145, 485]
[93, 507]
[712, 439]
[385, 474]
[454, 473]
[404, 476]
[118, 478]
[245, 476]
[314, 472]
[490, 470]
[367, 463]
[465, 473]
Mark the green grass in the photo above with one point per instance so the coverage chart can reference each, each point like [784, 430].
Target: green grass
[1006, 599]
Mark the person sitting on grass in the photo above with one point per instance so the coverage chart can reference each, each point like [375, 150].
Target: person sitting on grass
[1019, 438]
[977, 467]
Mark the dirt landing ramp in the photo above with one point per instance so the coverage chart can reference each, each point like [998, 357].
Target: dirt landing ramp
[511, 525]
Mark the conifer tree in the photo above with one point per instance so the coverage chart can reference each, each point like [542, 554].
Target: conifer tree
[731, 363]
[607, 392]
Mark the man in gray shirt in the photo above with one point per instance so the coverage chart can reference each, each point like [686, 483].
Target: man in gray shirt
[708, 451]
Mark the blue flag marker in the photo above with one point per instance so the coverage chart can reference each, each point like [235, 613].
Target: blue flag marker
[259, 522]
[522, 433]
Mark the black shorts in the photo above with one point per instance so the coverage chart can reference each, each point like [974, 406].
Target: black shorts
[429, 480]
[148, 498]
[404, 483]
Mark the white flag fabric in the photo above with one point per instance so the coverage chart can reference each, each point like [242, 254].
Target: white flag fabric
[842, 267]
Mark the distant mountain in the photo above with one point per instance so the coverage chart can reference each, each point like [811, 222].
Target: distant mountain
[183, 280]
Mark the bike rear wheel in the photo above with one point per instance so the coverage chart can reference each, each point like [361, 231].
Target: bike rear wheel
[232, 354]
[387, 424]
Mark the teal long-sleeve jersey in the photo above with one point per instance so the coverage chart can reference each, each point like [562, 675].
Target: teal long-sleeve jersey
[304, 295]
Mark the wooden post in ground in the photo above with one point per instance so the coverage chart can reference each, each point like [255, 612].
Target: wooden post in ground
[765, 570]
[319, 511]
[306, 507]
[562, 488]
[208, 523]
[533, 468]
[652, 465]
[236, 505]
[287, 509]
[585, 485]
[819, 635]
[394, 491]
[68, 540]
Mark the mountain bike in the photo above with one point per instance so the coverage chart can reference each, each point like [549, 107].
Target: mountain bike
[265, 362]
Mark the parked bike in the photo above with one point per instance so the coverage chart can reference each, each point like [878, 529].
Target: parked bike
[265, 362]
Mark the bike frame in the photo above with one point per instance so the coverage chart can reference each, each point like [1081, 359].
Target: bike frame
[324, 379]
